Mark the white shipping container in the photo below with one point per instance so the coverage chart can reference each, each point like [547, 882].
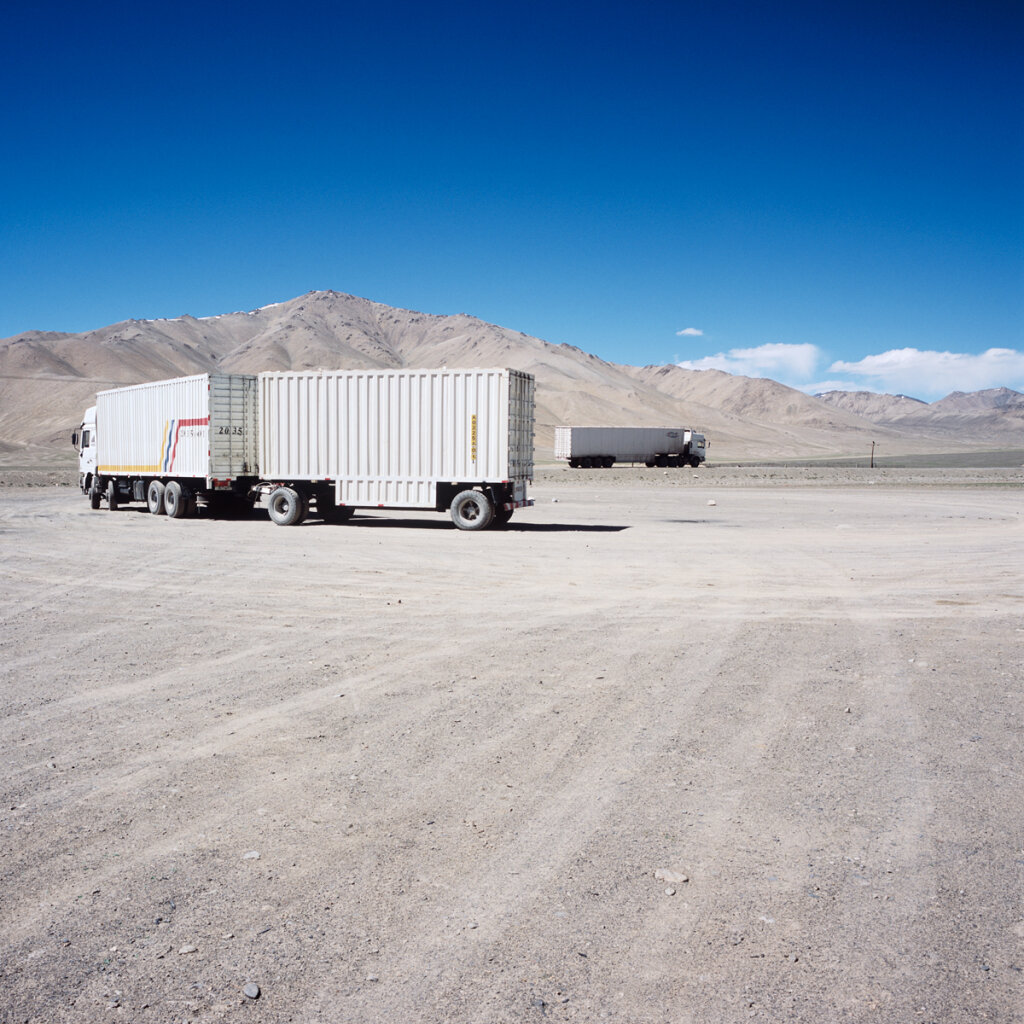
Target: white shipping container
[390, 437]
[199, 427]
[624, 444]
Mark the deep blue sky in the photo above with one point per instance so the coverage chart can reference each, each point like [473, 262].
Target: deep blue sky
[803, 184]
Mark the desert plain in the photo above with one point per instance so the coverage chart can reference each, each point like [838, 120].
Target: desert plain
[708, 746]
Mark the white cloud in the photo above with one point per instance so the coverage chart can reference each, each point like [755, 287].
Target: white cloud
[929, 375]
[690, 332]
[785, 363]
[919, 373]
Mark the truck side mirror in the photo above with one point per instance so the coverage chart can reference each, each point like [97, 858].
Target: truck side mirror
[74, 438]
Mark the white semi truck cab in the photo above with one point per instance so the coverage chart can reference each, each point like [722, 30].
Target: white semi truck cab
[84, 440]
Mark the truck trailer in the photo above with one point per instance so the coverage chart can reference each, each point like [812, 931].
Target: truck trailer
[324, 441]
[602, 447]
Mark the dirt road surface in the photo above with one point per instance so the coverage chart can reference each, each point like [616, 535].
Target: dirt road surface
[638, 757]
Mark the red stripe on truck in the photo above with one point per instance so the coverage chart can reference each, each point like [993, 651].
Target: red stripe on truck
[203, 421]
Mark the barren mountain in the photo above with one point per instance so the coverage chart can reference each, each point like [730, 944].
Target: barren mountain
[874, 407]
[996, 413]
[47, 379]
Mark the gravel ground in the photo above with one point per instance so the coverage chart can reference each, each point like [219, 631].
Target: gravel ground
[696, 748]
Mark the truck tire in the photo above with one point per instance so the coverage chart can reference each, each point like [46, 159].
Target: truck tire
[609, 461]
[695, 462]
[472, 510]
[501, 517]
[285, 506]
[112, 501]
[155, 498]
[95, 496]
[176, 500]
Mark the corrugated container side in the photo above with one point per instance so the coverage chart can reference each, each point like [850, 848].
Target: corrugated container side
[388, 436]
[625, 443]
[155, 429]
[191, 427]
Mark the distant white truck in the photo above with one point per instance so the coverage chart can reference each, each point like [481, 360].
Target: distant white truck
[602, 447]
[326, 441]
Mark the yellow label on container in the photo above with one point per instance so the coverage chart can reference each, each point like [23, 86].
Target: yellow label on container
[472, 437]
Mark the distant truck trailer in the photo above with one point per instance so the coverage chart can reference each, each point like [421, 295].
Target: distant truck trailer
[602, 447]
[324, 442]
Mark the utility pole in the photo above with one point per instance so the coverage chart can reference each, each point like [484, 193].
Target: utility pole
[872, 454]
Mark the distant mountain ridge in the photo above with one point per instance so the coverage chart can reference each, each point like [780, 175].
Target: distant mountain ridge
[47, 378]
[1000, 410]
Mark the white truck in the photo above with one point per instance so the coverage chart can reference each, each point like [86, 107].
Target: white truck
[602, 447]
[326, 441]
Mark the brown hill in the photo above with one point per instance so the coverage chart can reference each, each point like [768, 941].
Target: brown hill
[994, 416]
[48, 378]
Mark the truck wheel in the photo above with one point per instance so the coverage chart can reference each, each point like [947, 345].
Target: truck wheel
[695, 462]
[155, 497]
[574, 463]
[176, 500]
[472, 510]
[285, 506]
[609, 461]
[95, 495]
[112, 502]
[501, 517]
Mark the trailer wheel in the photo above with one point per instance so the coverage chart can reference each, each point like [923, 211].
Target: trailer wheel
[609, 461]
[112, 501]
[472, 510]
[285, 506]
[95, 495]
[176, 500]
[574, 463]
[155, 498]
